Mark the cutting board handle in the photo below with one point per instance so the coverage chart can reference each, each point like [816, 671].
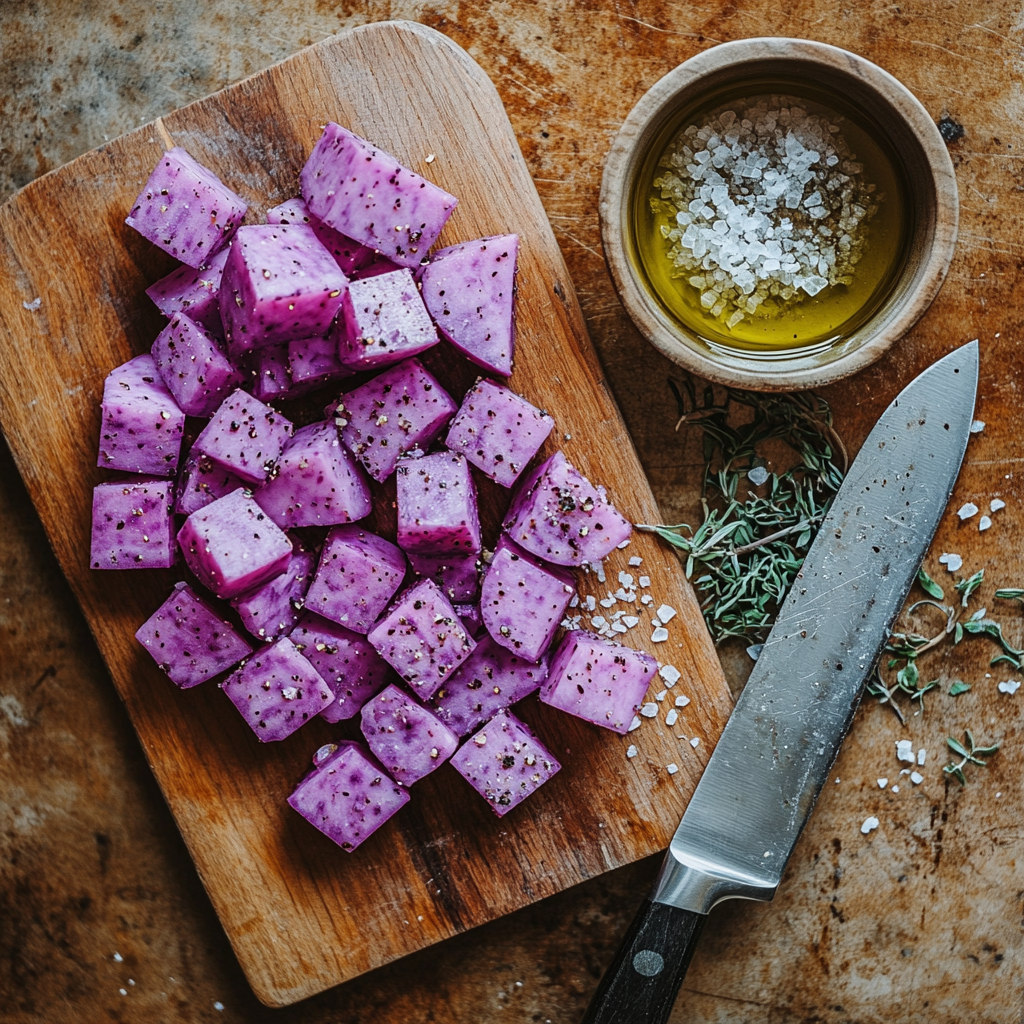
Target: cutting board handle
[641, 985]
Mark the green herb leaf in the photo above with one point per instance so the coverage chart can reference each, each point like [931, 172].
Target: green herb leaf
[957, 747]
[1011, 593]
[929, 586]
[965, 588]
[958, 686]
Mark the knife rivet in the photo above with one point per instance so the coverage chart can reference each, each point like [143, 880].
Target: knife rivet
[648, 963]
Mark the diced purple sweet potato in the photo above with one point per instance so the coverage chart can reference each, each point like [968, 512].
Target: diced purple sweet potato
[400, 409]
[142, 425]
[315, 482]
[348, 796]
[201, 482]
[133, 525]
[598, 681]
[346, 661]
[523, 601]
[188, 639]
[186, 209]
[490, 679]
[469, 290]
[471, 619]
[422, 638]
[458, 576]
[348, 254]
[193, 292]
[269, 372]
[405, 737]
[279, 284]
[277, 690]
[244, 436]
[504, 762]
[367, 195]
[358, 574]
[192, 365]
[437, 511]
[233, 546]
[377, 265]
[558, 515]
[382, 321]
[498, 431]
[314, 362]
[272, 609]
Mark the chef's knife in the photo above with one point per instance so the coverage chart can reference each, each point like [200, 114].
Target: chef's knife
[783, 736]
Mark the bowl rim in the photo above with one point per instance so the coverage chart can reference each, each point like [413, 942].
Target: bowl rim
[743, 54]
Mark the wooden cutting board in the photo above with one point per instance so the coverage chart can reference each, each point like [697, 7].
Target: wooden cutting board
[301, 914]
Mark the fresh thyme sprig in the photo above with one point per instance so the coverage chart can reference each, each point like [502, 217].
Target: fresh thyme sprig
[750, 545]
[972, 754]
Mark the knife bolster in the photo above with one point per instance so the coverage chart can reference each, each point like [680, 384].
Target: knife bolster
[693, 883]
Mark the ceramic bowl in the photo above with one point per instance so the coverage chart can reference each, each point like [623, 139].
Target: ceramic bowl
[894, 117]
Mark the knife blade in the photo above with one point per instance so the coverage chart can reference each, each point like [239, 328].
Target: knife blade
[784, 734]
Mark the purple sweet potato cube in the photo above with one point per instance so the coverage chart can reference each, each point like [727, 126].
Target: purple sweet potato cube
[558, 515]
[277, 690]
[523, 601]
[490, 679]
[382, 321]
[597, 680]
[348, 796]
[269, 372]
[133, 525]
[348, 254]
[314, 362]
[405, 737]
[142, 425]
[193, 367]
[367, 195]
[504, 762]
[458, 576]
[233, 546]
[193, 292]
[201, 482]
[498, 431]
[377, 265]
[272, 609]
[346, 661]
[279, 284]
[471, 619]
[358, 574]
[437, 512]
[469, 290]
[315, 482]
[400, 409]
[422, 638]
[186, 209]
[244, 436]
[189, 640]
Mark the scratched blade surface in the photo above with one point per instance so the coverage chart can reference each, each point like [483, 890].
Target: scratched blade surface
[783, 736]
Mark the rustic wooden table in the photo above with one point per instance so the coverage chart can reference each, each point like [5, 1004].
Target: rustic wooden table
[101, 912]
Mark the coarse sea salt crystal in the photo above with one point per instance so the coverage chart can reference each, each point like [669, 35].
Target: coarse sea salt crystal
[670, 674]
[671, 717]
[625, 579]
[645, 581]
[591, 603]
[635, 560]
[758, 475]
[631, 751]
[661, 695]
[671, 768]
[635, 724]
[666, 613]
[951, 561]
[681, 701]
[977, 426]
[695, 742]
[659, 635]
[646, 599]
[996, 504]
[882, 783]
[754, 651]
[1010, 686]
[921, 755]
[870, 824]
[983, 524]
[649, 710]
[630, 621]
[916, 778]
[967, 510]
[905, 750]
[895, 789]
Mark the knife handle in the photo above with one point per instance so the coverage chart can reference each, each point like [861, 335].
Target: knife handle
[641, 985]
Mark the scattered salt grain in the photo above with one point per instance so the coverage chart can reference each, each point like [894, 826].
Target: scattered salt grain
[630, 621]
[1010, 686]
[625, 543]
[682, 701]
[644, 581]
[575, 602]
[661, 695]
[123, 991]
[921, 755]
[635, 560]
[671, 768]
[666, 613]
[870, 824]
[967, 510]
[631, 751]
[649, 710]
[646, 599]
[758, 475]
[118, 958]
[659, 635]
[977, 426]
[754, 651]
[671, 717]
[905, 750]
[996, 504]
[591, 603]
[635, 724]
[983, 524]
[951, 561]
[670, 674]
[695, 742]
[430, 158]
[882, 783]
[916, 778]
[606, 602]
[33, 305]
[895, 788]
[218, 1005]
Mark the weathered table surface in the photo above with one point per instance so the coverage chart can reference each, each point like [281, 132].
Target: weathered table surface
[920, 921]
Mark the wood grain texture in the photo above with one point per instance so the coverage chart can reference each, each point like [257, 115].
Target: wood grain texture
[300, 914]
